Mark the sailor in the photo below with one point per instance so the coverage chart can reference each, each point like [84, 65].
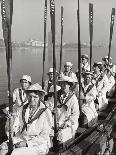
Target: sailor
[110, 71]
[88, 95]
[19, 96]
[67, 110]
[33, 138]
[49, 82]
[68, 70]
[85, 64]
[101, 82]
[19, 100]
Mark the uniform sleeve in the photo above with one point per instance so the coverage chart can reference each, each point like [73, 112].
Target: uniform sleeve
[92, 94]
[15, 93]
[73, 121]
[105, 85]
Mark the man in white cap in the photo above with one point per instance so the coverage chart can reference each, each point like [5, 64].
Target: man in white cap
[67, 110]
[88, 95]
[110, 71]
[85, 64]
[68, 71]
[101, 82]
[20, 98]
[33, 138]
[49, 82]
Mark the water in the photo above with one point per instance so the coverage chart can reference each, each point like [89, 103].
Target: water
[29, 61]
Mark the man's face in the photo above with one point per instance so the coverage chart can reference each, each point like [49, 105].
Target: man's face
[65, 86]
[24, 84]
[87, 79]
[51, 76]
[96, 69]
[67, 68]
[106, 61]
[84, 60]
[33, 100]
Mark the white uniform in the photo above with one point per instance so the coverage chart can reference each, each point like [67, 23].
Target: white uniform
[102, 88]
[85, 67]
[48, 84]
[37, 134]
[68, 117]
[19, 99]
[69, 74]
[111, 79]
[88, 108]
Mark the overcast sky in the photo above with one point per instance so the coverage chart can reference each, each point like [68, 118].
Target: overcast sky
[28, 20]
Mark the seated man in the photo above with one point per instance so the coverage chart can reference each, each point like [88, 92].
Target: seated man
[36, 121]
[101, 82]
[67, 110]
[19, 100]
[49, 81]
[85, 64]
[88, 95]
[68, 71]
[110, 71]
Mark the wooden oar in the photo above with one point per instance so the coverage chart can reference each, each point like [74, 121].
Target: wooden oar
[7, 12]
[111, 32]
[61, 39]
[91, 31]
[79, 60]
[44, 49]
[52, 13]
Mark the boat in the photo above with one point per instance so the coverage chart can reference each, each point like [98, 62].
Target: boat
[87, 141]
[93, 140]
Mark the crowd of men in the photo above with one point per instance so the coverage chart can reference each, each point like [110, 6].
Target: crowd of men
[33, 109]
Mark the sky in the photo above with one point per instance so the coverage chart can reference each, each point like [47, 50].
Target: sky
[28, 20]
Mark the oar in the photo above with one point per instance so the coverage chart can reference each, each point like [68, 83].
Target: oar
[61, 39]
[79, 59]
[7, 12]
[44, 49]
[52, 13]
[91, 31]
[111, 32]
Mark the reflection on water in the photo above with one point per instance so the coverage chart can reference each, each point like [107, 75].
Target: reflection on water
[29, 61]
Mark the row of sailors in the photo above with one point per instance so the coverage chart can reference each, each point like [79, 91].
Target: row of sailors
[34, 111]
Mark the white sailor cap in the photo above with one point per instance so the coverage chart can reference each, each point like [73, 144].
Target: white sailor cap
[84, 56]
[97, 63]
[68, 64]
[27, 78]
[106, 57]
[88, 73]
[36, 88]
[51, 71]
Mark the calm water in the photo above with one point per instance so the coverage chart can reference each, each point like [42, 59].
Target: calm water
[29, 61]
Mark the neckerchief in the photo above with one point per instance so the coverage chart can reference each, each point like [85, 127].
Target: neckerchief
[31, 119]
[67, 73]
[88, 89]
[100, 78]
[63, 103]
[21, 98]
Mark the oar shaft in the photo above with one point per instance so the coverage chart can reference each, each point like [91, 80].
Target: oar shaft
[91, 31]
[79, 55]
[44, 49]
[111, 32]
[61, 39]
[52, 13]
